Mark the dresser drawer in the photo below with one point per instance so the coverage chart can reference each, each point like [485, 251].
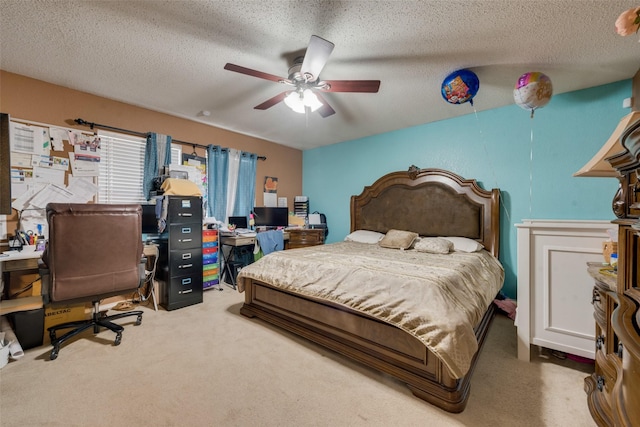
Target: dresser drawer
[306, 237]
[606, 372]
[599, 312]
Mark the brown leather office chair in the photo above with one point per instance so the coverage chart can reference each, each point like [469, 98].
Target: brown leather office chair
[94, 251]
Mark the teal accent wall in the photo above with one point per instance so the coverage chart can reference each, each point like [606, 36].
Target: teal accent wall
[531, 160]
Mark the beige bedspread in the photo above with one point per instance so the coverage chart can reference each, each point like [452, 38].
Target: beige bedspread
[437, 298]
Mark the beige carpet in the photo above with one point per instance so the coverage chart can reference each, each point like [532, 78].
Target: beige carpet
[207, 365]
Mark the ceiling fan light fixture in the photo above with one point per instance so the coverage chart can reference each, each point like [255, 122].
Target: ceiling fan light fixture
[299, 100]
[295, 102]
[311, 100]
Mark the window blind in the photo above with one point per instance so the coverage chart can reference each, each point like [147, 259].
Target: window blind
[122, 166]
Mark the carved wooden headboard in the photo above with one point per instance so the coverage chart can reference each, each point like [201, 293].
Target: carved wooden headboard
[430, 202]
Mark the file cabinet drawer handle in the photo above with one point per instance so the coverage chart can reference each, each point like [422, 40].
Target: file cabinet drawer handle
[185, 266]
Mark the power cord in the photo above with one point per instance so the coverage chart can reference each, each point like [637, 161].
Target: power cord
[24, 289]
[148, 283]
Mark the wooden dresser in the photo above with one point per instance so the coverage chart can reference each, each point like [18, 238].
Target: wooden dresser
[613, 390]
[303, 237]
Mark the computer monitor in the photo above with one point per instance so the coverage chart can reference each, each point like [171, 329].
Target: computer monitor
[271, 217]
[238, 221]
[149, 219]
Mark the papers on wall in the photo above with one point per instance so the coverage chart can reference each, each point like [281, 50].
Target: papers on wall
[29, 139]
[270, 200]
[46, 161]
[51, 193]
[20, 180]
[86, 147]
[87, 151]
[33, 202]
[83, 189]
[37, 177]
[83, 168]
[270, 191]
[57, 136]
[21, 202]
[21, 160]
[282, 202]
[47, 175]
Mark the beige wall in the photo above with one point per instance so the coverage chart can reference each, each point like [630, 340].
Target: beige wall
[28, 99]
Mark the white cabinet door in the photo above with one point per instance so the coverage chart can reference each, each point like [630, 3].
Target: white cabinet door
[554, 288]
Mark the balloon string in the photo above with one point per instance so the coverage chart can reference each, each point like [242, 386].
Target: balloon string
[493, 171]
[531, 170]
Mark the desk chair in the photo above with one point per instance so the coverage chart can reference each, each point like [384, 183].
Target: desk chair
[94, 252]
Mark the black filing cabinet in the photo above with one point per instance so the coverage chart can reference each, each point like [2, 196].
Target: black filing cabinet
[180, 259]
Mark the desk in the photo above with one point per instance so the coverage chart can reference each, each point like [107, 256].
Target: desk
[19, 261]
[232, 260]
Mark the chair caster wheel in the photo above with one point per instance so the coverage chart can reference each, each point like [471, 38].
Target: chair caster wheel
[139, 320]
[54, 353]
[118, 338]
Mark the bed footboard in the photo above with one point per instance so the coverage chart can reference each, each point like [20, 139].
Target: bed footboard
[375, 344]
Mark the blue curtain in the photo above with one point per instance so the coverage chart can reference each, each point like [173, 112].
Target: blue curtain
[217, 177]
[157, 153]
[246, 190]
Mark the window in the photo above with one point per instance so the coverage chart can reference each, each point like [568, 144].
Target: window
[122, 166]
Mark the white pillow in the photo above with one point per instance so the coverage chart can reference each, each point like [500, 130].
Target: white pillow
[364, 236]
[433, 245]
[464, 244]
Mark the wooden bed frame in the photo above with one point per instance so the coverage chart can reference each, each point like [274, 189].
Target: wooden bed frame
[431, 202]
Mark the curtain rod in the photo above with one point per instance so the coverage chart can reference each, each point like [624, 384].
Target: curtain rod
[141, 134]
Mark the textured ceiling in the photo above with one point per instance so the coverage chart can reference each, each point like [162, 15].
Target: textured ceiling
[169, 56]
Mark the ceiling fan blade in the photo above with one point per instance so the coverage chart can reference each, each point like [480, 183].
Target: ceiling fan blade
[369, 86]
[316, 57]
[254, 73]
[272, 101]
[325, 110]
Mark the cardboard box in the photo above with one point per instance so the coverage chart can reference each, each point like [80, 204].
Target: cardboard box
[19, 282]
[55, 314]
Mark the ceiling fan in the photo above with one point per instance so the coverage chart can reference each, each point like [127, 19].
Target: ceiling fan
[305, 83]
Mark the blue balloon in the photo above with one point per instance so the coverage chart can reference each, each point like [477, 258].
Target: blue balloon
[460, 86]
